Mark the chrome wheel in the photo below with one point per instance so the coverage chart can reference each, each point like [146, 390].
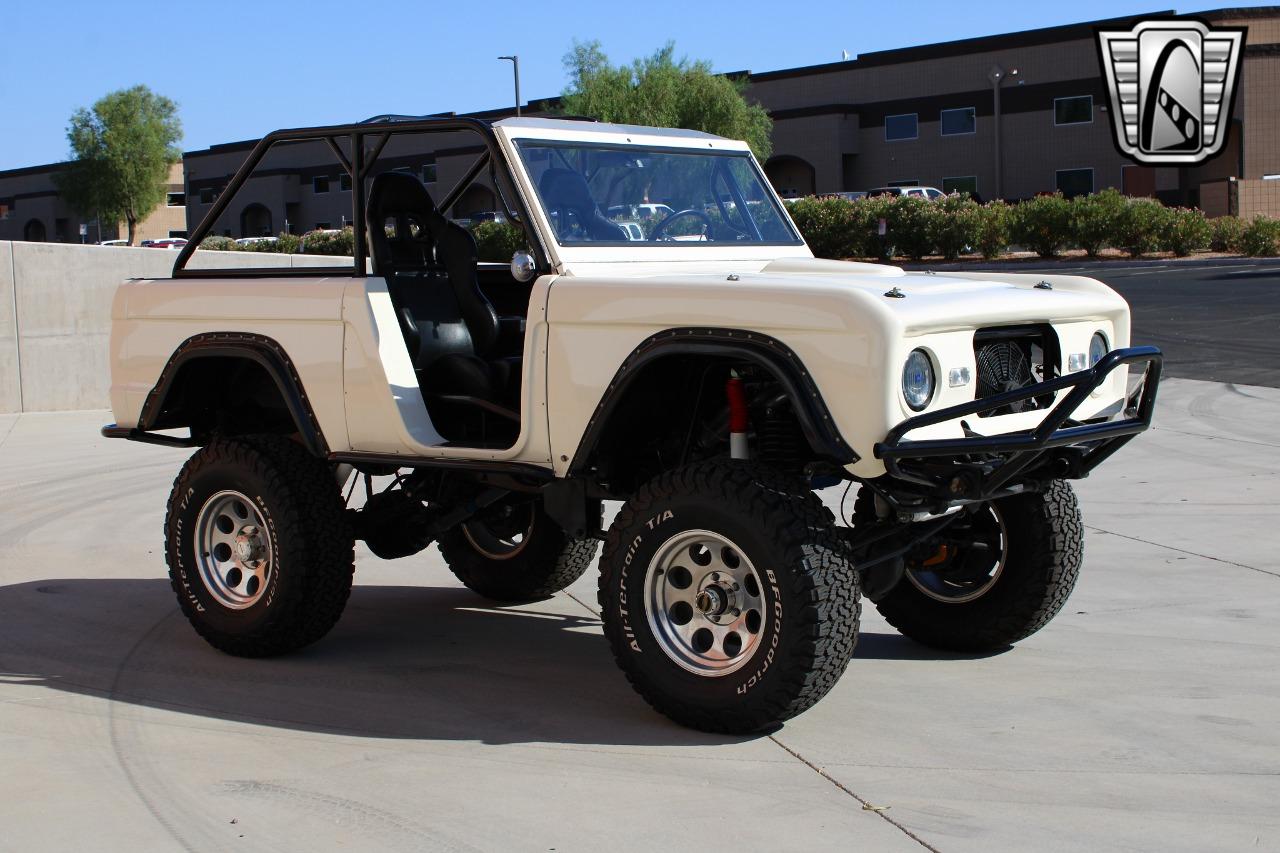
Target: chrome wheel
[233, 550]
[966, 567]
[704, 603]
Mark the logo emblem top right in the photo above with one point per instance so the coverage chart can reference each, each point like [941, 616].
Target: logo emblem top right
[1172, 84]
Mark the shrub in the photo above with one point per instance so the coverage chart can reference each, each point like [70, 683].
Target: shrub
[1225, 233]
[329, 242]
[1260, 236]
[1141, 226]
[283, 244]
[1186, 231]
[1043, 224]
[497, 241]
[912, 225]
[216, 243]
[829, 226]
[956, 219]
[870, 211]
[991, 236]
[1094, 220]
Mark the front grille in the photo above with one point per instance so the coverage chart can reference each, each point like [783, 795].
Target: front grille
[1013, 357]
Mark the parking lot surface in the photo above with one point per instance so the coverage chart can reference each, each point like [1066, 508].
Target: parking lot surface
[1143, 718]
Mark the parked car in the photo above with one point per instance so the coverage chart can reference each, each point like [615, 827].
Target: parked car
[114, 243]
[930, 193]
[166, 243]
[709, 385]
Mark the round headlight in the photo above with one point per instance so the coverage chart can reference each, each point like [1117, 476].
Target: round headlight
[1097, 348]
[917, 379]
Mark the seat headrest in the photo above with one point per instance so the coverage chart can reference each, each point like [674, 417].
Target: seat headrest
[401, 201]
[566, 188]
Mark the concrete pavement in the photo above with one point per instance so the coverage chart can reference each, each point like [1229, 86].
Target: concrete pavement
[1143, 718]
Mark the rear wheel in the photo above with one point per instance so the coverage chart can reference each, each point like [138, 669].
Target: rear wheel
[728, 600]
[260, 553]
[513, 551]
[992, 578]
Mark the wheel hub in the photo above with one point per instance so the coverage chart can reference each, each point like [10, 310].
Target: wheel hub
[704, 604]
[233, 551]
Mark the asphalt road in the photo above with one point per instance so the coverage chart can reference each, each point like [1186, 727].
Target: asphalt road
[1214, 322]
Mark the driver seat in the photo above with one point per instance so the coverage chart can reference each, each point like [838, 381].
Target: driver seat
[565, 191]
[450, 328]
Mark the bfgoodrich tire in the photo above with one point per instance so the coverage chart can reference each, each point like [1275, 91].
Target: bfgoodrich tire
[727, 598]
[260, 554]
[513, 551]
[987, 600]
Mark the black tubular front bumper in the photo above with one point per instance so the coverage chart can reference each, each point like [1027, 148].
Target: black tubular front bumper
[980, 467]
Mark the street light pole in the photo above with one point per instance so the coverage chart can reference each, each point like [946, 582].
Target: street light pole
[996, 76]
[515, 69]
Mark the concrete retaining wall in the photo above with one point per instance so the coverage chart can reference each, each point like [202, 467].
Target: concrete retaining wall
[55, 316]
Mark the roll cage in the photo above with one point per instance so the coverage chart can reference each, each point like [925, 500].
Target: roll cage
[365, 143]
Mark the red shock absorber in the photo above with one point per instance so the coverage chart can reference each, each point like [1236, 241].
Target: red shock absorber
[738, 420]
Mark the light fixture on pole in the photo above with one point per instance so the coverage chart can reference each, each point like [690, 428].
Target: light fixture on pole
[515, 69]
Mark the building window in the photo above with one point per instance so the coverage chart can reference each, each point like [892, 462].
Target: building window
[176, 200]
[900, 127]
[320, 184]
[207, 195]
[429, 171]
[344, 183]
[959, 122]
[6, 210]
[963, 185]
[1078, 110]
[1074, 182]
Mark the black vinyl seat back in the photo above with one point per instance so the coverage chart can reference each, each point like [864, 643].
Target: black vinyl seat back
[449, 325]
[564, 191]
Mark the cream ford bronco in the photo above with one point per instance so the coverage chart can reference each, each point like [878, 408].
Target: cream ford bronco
[710, 376]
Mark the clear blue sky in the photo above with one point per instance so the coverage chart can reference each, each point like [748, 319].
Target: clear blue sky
[240, 69]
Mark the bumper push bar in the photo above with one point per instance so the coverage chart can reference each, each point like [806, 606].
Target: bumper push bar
[979, 467]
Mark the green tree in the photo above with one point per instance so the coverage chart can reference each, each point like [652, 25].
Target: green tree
[121, 153]
[662, 91]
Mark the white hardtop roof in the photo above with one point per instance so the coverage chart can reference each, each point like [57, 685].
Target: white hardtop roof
[571, 129]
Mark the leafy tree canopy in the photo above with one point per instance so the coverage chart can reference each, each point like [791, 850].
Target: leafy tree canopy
[661, 91]
[121, 153]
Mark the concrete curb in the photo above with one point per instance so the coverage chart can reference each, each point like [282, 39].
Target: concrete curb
[1040, 264]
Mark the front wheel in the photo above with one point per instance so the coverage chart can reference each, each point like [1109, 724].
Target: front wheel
[726, 597]
[992, 578]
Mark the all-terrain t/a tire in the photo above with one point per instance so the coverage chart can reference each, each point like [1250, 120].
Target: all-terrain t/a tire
[259, 550]
[513, 551]
[728, 599]
[966, 602]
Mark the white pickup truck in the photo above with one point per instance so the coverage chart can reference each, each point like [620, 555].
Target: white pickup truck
[710, 376]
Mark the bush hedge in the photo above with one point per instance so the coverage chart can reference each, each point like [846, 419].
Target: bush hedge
[1047, 225]
[1261, 237]
[497, 241]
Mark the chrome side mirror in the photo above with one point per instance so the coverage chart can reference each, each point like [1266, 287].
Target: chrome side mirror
[522, 266]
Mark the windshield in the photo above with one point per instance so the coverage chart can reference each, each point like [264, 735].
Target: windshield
[606, 194]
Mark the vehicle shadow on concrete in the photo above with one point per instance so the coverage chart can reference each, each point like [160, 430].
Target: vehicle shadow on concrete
[404, 662]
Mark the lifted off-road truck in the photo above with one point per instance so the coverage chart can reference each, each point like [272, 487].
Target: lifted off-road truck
[666, 340]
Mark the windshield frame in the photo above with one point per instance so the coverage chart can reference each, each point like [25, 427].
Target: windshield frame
[512, 132]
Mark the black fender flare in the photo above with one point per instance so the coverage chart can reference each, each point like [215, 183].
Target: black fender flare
[259, 349]
[816, 422]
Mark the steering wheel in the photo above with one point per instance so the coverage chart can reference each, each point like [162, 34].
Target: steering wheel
[657, 232]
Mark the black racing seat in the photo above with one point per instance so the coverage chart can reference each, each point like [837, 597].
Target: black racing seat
[459, 346]
[565, 191]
